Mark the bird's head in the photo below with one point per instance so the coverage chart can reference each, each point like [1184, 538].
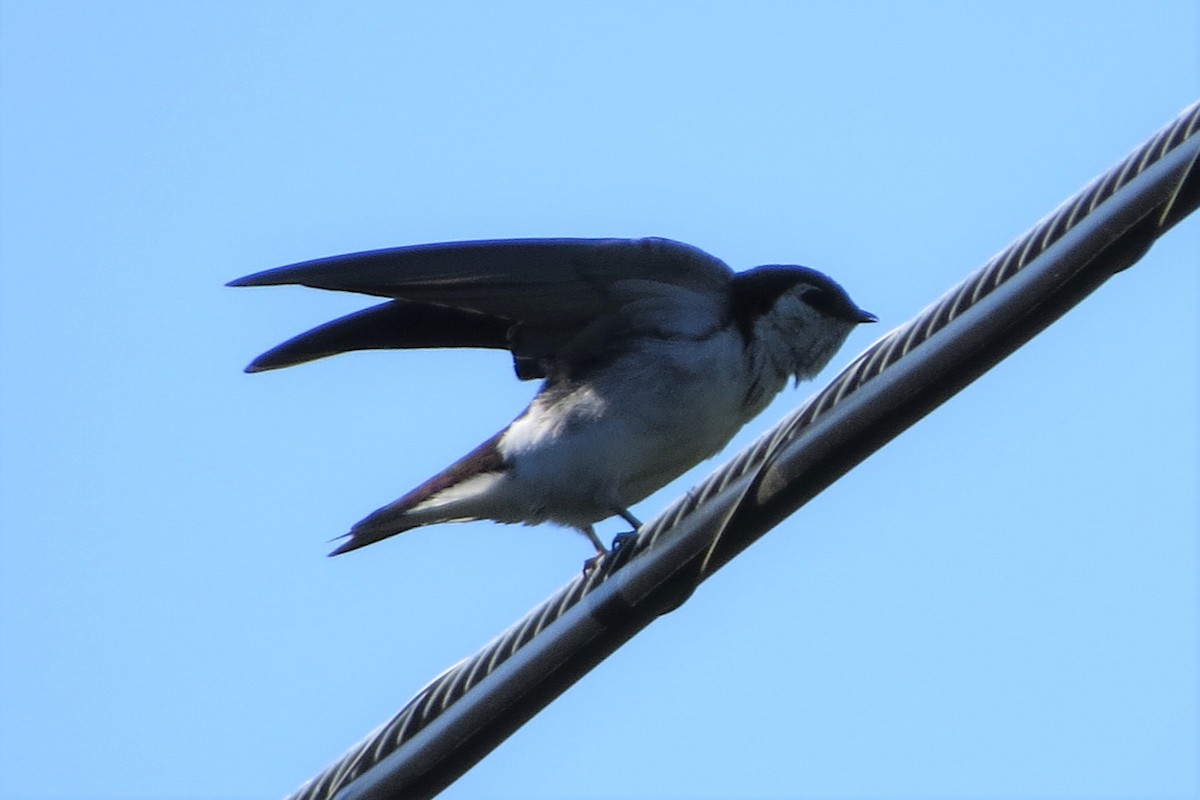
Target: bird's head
[795, 318]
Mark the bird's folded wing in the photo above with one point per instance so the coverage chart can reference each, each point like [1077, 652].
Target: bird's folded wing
[544, 282]
[530, 296]
[391, 325]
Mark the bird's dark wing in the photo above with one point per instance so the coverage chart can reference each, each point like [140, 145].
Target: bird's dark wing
[391, 325]
[546, 281]
[539, 292]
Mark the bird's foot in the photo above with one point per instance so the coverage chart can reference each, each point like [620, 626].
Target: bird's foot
[620, 543]
[623, 540]
[622, 548]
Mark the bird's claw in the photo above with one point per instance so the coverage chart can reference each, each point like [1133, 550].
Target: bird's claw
[623, 540]
[620, 543]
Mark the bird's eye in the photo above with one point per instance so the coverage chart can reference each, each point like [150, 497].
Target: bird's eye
[820, 300]
[831, 304]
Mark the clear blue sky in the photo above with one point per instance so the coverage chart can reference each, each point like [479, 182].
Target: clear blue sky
[1002, 603]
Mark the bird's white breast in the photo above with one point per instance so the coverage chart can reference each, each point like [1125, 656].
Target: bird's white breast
[585, 450]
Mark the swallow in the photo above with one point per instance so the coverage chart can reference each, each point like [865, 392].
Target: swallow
[652, 355]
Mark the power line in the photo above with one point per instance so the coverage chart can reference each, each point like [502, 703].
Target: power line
[474, 705]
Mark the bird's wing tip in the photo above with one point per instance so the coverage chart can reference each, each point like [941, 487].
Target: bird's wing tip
[271, 277]
[265, 364]
[344, 547]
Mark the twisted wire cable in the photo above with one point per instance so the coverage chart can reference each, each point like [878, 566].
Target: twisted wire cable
[467, 710]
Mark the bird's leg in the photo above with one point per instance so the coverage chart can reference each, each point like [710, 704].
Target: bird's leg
[622, 539]
[619, 541]
[624, 514]
[590, 564]
[594, 539]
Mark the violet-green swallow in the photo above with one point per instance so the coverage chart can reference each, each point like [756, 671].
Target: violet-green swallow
[653, 354]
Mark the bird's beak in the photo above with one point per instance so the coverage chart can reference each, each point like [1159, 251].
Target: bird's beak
[866, 316]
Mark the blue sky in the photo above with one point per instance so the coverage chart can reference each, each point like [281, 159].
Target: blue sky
[1002, 603]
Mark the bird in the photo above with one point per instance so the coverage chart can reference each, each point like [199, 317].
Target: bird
[651, 352]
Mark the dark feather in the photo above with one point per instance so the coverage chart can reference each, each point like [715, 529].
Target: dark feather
[531, 296]
[542, 281]
[394, 325]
